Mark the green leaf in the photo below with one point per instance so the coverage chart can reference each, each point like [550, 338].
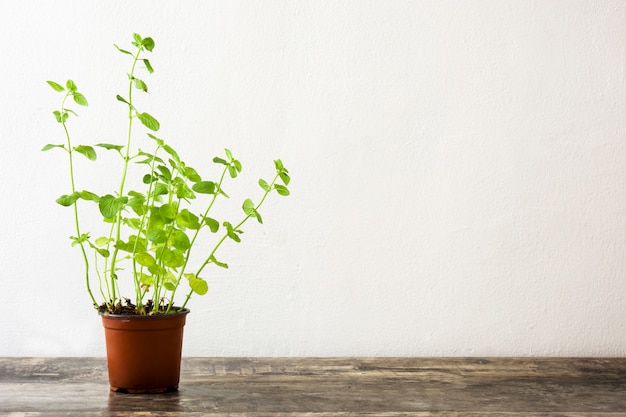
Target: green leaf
[78, 240]
[248, 207]
[136, 200]
[160, 189]
[123, 50]
[67, 200]
[80, 99]
[122, 99]
[56, 86]
[145, 259]
[134, 245]
[218, 263]
[282, 172]
[281, 189]
[264, 184]
[172, 152]
[137, 40]
[284, 177]
[222, 192]
[103, 241]
[180, 240]
[140, 210]
[231, 232]
[149, 121]
[182, 190]
[88, 151]
[204, 187]
[89, 196]
[109, 205]
[149, 158]
[134, 222]
[110, 147]
[60, 116]
[71, 85]
[157, 270]
[168, 212]
[234, 166]
[146, 279]
[187, 219]
[213, 224]
[197, 285]
[192, 174]
[170, 277]
[50, 146]
[140, 85]
[173, 258]
[218, 160]
[148, 43]
[157, 236]
[159, 142]
[165, 172]
[148, 66]
[250, 210]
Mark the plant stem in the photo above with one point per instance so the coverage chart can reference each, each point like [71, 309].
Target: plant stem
[118, 221]
[219, 243]
[138, 292]
[195, 236]
[75, 204]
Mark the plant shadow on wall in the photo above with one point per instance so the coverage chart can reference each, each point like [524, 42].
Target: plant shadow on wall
[149, 235]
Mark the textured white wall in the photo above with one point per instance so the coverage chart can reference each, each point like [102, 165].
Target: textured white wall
[458, 170]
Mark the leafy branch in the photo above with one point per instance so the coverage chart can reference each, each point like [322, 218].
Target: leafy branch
[61, 116]
[153, 229]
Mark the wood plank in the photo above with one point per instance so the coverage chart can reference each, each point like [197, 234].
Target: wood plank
[320, 387]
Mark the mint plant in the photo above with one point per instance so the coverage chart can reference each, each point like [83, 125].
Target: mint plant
[152, 232]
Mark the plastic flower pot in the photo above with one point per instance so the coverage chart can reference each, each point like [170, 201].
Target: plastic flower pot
[143, 352]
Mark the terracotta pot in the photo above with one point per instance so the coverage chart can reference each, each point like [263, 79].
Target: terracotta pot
[143, 352]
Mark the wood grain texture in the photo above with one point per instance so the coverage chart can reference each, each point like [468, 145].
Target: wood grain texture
[321, 387]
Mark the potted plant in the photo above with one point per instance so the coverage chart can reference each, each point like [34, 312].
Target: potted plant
[147, 237]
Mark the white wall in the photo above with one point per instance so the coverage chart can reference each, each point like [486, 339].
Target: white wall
[458, 170]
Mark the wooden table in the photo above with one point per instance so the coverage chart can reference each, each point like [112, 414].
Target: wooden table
[325, 387]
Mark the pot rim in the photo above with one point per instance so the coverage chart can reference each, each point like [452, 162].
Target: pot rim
[178, 312]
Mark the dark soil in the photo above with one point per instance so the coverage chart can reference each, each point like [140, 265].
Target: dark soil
[129, 309]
